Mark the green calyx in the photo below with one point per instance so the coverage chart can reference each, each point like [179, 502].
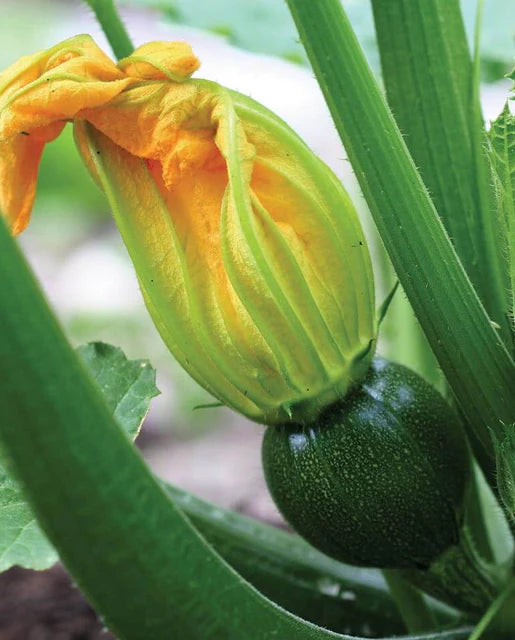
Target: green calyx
[309, 404]
[252, 260]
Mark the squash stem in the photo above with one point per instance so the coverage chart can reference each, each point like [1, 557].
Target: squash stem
[410, 602]
[493, 610]
[112, 25]
[460, 577]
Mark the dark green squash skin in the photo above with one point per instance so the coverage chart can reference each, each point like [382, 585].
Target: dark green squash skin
[380, 478]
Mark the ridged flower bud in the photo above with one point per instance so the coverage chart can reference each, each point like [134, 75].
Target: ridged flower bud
[249, 253]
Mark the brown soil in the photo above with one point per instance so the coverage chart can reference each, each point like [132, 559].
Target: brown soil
[44, 605]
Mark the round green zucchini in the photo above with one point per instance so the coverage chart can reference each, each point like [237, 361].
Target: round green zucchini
[379, 479]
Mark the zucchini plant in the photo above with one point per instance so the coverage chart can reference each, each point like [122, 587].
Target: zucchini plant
[255, 269]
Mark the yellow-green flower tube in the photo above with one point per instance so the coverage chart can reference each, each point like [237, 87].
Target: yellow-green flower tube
[249, 253]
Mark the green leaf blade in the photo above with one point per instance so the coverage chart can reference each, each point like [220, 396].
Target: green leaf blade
[126, 385]
[22, 542]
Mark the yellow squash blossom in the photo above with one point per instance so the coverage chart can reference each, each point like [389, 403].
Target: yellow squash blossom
[249, 253]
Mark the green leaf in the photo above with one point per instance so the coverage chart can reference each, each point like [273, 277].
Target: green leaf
[502, 139]
[21, 540]
[127, 386]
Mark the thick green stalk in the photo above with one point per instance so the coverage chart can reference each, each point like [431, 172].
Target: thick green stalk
[113, 27]
[476, 521]
[504, 599]
[299, 578]
[303, 580]
[408, 346]
[131, 551]
[410, 602]
[460, 577]
[428, 77]
[469, 350]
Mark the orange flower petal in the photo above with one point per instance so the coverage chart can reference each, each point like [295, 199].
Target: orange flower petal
[161, 61]
[38, 94]
[56, 84]
[168, 122]
[19, 163]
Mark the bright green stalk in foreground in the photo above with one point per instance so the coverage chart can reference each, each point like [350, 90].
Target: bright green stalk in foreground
[131, 551]
[470, 352]
[128, 547]
[140, 563]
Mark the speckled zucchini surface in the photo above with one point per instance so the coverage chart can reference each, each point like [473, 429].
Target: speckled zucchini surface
[379, 478]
